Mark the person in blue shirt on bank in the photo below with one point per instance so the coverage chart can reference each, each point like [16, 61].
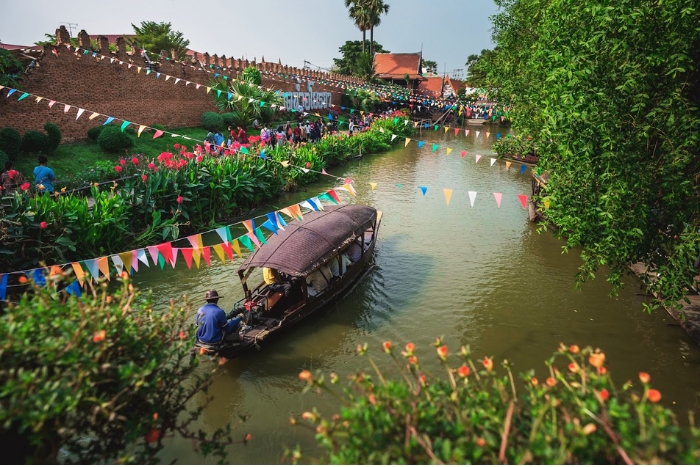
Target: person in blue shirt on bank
[43, 176]
[213, 326]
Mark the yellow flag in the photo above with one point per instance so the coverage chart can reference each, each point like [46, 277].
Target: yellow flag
[38, 99]
[219, 250]
[94, 116]
[208, 89]
[285, 163]
[138, 69]
[407, 140]
[79, 273]
[141, 128]
[446, 128]
[127, 259]
[508, 165]
[448, 151]
[236, 247]
[373, 185]
[546, 204]
[448, 194]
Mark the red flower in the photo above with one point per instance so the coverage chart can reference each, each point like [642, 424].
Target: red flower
[534, 381]
[176, 145]
[199, 159]
[573, 367]
[387, 346]
[308, 165]
[654, 395]
[551, 382]
[23, 279]
[602, 371]
[99, 336]
[481, 442]
[180, 199]
[413, 360]
[153, 435]
[574, 349]
[122, 161]
[144, 177]
[644, 377]
[118, 168]
[442, 352]
[183, 336]
[463, 371]
[151, 165]
[306, 376]
[25, 186]
[604, 394]
[488, 363]
[135, 160]
[43, 225]
[410, 347]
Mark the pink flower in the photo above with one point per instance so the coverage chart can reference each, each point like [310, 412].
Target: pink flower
[43, 225]
[144, 177]
[118, 168]
[176, 145]
[25, 186]
[199, 159]
[135, 160]
[151, 165]
[308, 165]
[180, 199]
[122, 161]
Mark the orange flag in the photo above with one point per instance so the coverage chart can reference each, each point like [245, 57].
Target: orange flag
[448, 195]
[508, 165]
[103, 264]
[79, 273]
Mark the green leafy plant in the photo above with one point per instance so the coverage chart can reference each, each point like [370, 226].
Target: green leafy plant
[10, 142]
[109, 385]
[94, 132]
[54, 136]
[212, 121]
[3, 158]
[34, 142]
[112, 139]
[154, 37]
[252, 75]
[478, 415]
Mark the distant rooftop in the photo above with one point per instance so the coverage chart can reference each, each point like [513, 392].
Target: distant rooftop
[397, 65]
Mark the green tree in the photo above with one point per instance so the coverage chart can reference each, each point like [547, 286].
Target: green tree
[243, 111]
[252, 75]
[100, 379]
[10, 69]
[154, 37]
[351, 52]
[610, 93]
[376, 9]
[50, 39]
[430, 66]
[360, 13]
[477, 68]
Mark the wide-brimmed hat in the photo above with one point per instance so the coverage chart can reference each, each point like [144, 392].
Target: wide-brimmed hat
[212, 295]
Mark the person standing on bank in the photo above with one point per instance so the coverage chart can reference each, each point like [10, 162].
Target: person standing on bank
[213, 326]
[44, 176]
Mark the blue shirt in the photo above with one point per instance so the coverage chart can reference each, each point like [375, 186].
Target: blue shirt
[45, 176]
[212, 325]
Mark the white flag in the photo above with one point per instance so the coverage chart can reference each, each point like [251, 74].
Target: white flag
[493, 161]
[472, 197]
[477, 134]
[80, 112]
[393, 137]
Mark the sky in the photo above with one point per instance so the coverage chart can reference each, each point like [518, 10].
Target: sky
[295, 32]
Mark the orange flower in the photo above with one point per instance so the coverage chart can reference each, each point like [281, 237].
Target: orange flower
[481, 442]
[183, 336]
[463, 371]
[574, 349]
[155, 416]
[654, 395]
[602, 371]
[410, 347]
[534, 381]
[387, 346]
[442, 352]
[413, 360]
[23, 279]
[573, 367]
[488, 363]
[551, 382]
[644, 377]
[423, 380]
[589, 428]
[604, 394]
[248, 437]
[306, 376]
[153, 435]
[597, 359]
[308, 416]
[372, 400]
[99, 336]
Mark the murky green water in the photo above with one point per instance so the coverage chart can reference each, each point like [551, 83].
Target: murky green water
[480, 276]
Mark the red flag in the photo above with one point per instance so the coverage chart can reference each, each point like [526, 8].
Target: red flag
[187, 254]
[229, 251]
[456, 131]
[166, 250]
[464, 153]
[206, 253]
[523, 200]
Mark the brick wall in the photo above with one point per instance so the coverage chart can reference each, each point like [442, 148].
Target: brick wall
[98, 85]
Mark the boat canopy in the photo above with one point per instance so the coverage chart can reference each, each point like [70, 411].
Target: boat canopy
[303, 246]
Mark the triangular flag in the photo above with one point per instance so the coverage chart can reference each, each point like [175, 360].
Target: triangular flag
[80, 112]
[165, 250]
[498, 197]
[51, 103]
[464, 153]
[493, 161]
[271, 226]
[334, 195]
[446, 128]
[487, 134]
[424, 189]
[141, 128]
[448, 195]
[206, 254]
[143, 257]
[117, 261]
[219, 250]
[350, 188]
[108, 121]
[124, 125]
[173, 258]
[407, 141]
[260, 236]
[508, 163]
[323, 172]
[477, 133]
[478, 156]
[93, 268]
[393, 137]
[317, 202]
[420, 144]
[3, 286]
[79, 273]
[284, 163]
[103, 264]
[127, 260]
[546, 204]
[66, 107]
[523, 168]
[74, 289]
[234, 246]
[249, 225]
[23, 96]
[187, 254]
[448, 151]
[93, 116]
[456, 131]
[373, 185]
[435, 147]
[224, 233]
[523, 200]
[245, 240]
[157, 134]
[472, 197]
[466, 132]
[153, 250]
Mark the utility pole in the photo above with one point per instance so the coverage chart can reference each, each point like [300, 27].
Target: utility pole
[70, 27]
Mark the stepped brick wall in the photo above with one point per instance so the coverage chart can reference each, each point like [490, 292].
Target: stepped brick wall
[100, 85]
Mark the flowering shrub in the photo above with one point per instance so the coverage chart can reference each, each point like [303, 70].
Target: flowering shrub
[480, 415]
[107, 382]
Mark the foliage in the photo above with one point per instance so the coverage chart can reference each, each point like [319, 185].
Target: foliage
[430, 66]
[360, 99]
[158, 198]
[351, 52]
[212, 121]
[477, 68]
[360, 14]
[50, 39]
[230, 119]
[610, 94]
[34, 142]
[10, 68]
[10, 142]
[107, 382]
[154, 37]
[54, 137]
[375, 8]
[252, 75]
[514, 146]
[112, 139]
[94, 132]
[364, 68]
[243, 111]
[3, 158]
[476, 415]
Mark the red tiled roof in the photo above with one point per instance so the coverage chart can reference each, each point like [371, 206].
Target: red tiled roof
[396, 66]
[456, 84]
[432, 86]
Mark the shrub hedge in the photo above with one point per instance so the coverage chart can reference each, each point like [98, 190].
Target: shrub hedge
[112, 139]
[54, 136]
[212, 121]
[34, 142]
[10, 142]
[94, 132]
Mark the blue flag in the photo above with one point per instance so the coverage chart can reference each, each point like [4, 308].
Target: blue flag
[420, 144]
[523, 168]
[423, 189]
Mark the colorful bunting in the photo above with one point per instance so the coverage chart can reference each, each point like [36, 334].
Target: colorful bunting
[498, 197]
[508, 163]
[523, 168]
[448, 195]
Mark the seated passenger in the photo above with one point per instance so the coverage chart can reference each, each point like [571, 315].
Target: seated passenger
[318, 280]
[334, 266]
[271, 276]
[213, 325]
[344, 262]
[354, 251]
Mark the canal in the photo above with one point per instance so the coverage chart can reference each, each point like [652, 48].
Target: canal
[478, 275]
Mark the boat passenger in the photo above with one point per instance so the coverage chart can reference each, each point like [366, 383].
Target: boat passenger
[318, 280]
[212, 324]
[271, 276]
[354, 251]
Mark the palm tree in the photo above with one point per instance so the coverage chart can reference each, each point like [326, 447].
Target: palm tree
[360, 14]
[376, 9]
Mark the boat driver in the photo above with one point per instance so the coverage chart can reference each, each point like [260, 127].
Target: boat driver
[213, 326]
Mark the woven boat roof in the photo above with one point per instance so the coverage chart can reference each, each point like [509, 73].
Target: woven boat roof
[305, 245]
